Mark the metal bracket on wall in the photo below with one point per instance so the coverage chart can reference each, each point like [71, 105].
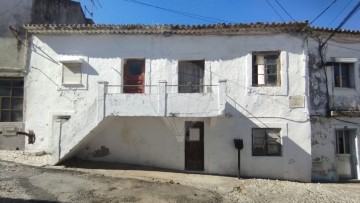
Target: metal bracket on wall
[30, 135]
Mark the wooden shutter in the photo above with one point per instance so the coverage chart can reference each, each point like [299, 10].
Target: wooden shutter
[71, 73]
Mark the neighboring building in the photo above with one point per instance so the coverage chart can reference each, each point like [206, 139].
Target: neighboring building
[173, 96]
[334, 87]
[13, 55]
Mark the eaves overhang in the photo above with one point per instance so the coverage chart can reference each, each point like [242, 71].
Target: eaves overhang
[132, 29]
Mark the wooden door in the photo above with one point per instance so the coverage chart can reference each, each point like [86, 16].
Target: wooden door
[134, 76]
[194, 146]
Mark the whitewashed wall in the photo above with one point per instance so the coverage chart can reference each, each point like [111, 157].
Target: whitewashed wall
[323, 129]
[324, 146]
[226, 57]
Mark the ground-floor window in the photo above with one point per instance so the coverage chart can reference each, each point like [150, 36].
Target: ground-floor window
[343, 141]
[266, 142]
[11, 99]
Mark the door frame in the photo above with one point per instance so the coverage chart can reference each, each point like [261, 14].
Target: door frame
[201, 126]
[354, 149]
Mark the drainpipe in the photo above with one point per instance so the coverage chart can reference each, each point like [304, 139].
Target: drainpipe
[56, 143]
[101, 100]
[162, 98]
[222, 97]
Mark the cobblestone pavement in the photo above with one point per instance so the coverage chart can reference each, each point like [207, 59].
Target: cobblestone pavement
[82, 178]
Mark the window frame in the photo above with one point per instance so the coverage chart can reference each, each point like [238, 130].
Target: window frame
[254, 67]
[345, 133]
[350, 74]
[266, 152]
[191, 88]
[11, 97]
[65, 65]
[127, 76]
[73, 59]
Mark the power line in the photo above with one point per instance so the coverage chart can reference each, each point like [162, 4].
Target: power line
[352, 12]
[323, 12]
[344, 47]
[99, 3]
[347, 121]
[191, 15]
[275, 11]
[17, 5]
[285, 10]
[340, 12]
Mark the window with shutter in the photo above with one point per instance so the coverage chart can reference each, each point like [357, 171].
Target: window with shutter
[71, 73]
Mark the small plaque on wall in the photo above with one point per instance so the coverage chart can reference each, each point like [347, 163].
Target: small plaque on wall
[296, 102]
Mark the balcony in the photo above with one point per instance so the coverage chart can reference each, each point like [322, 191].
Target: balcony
[163, 100]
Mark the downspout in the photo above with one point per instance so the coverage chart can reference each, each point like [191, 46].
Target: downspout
[56, 142]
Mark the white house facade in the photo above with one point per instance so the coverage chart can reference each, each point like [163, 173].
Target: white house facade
[173, 97]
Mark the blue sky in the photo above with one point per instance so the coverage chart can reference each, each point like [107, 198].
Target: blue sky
[219, 11]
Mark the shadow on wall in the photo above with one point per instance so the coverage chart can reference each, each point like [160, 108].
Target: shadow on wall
[88, 70]
[294, 163]
[147, 141]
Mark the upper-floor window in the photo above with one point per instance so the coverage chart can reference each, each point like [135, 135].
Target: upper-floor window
[191, 76]
[344, 75]
[11, 99]
[134, 76]
[266, 142]
[71, 73]
[266, 69]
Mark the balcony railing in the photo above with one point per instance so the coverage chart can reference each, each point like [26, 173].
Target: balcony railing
[164, 100]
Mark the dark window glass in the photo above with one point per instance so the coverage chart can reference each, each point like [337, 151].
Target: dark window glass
[191, 76]
[343, 141]
[5, 116]
[16, 116]
[5, 103]
[11, 99]
[266, 142]
[135, 69]
[266, 69]
[5, 92]
[342, 74]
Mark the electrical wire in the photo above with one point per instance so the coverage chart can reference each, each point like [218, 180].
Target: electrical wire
[323, 12]
[190, 15]
[285, 10]
[347, 121]
[275, 10]
[352, 12]
[344, 47]
[98, 1]
[17, 5]
[340, 12]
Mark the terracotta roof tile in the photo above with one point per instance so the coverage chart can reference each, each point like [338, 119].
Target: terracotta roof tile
[206, 29]
[222, 29]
